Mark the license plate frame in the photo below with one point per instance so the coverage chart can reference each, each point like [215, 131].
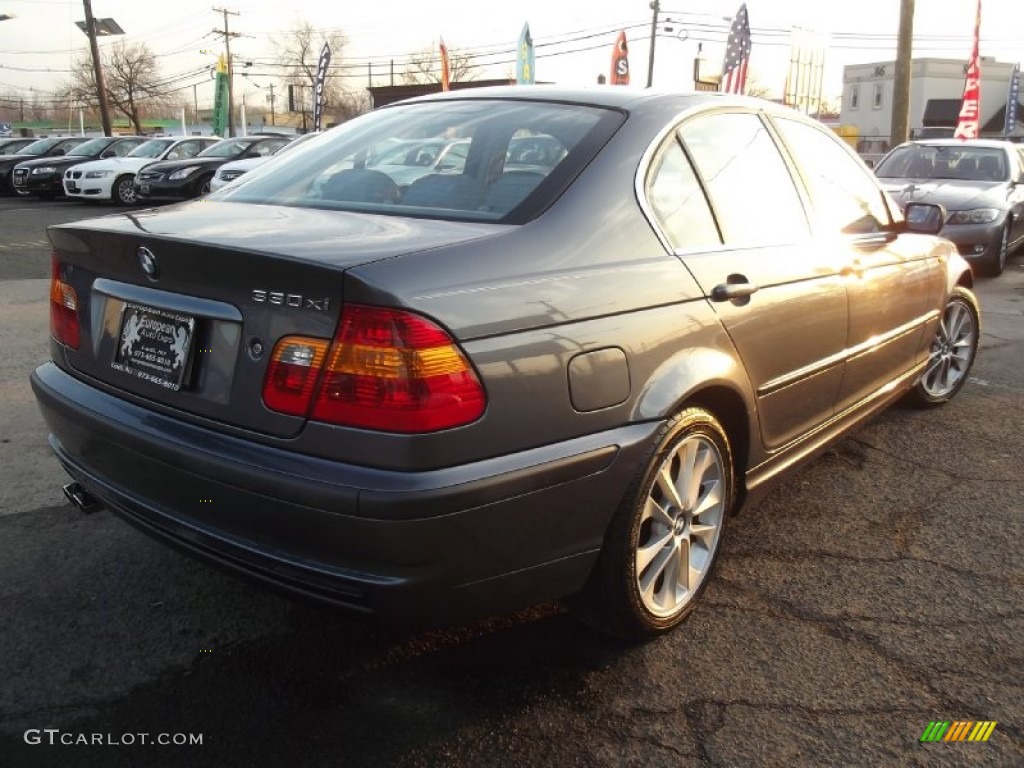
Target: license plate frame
[155, 345]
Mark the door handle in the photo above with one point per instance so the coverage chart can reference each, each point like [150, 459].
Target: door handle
[735, 288]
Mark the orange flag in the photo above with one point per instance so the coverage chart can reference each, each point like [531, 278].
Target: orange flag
[445, 85]
[620, 61]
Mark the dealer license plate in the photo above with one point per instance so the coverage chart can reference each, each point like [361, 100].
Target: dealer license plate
[154, 345]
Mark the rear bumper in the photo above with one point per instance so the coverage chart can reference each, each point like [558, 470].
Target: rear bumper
[412, 547]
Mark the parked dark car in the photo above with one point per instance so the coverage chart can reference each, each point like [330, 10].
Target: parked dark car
[44, 176]
[10, 146]
[185, 179]
[981, 185]
[53, 146]
[497, 387]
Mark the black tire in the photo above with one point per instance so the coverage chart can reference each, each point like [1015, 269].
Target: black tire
[203, 186]
[998, 262]
[612, 600]
[123, 192]
[951, 357]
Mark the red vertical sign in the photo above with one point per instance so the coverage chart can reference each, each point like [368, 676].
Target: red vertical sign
[620, 61]
[968, 122]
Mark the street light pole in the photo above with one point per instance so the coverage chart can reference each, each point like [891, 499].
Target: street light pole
[655, 7]
[97, 67]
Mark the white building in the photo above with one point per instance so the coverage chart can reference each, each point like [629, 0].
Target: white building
[936, 90]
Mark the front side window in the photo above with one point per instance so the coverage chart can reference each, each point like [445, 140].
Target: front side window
[226, 148]
[678, 201]
[480, 159]
[91, 147]
[844, 195]
[151, 148]
[750, 187]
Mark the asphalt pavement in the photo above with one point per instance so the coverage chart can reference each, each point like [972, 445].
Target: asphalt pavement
[878, 590]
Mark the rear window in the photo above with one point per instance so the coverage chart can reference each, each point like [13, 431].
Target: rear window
[491, 160]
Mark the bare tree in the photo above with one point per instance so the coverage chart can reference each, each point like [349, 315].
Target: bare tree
[131, 76]
[298, 55]
[757, 88]
[425, 66]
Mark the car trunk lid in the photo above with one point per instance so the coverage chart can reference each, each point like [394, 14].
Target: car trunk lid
[182, 308]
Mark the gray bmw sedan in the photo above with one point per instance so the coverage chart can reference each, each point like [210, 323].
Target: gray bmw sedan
[523, 377]
[981, 185]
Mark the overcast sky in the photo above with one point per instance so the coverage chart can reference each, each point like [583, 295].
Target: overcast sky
[42, 39]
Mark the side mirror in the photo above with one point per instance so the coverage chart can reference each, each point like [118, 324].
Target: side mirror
[924, 218]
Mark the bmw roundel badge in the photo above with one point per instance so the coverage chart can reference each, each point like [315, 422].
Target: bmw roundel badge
[148, 263]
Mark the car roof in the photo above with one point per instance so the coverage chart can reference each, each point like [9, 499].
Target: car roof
[980, 143]
[614, 97]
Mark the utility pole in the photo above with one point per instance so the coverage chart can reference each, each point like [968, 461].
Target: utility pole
[195, 101]
[655, 7]
[272, 104]
[900, 129]
[231, 68]
[97, 67]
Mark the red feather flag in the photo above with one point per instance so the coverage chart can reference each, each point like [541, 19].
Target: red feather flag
[445, 85]
[620, 61]
[969, 120]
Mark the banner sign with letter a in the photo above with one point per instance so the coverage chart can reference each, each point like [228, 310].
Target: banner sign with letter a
[318, 88]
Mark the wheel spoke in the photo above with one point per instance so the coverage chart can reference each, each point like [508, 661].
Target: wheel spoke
[650, 578]
[647, 552]
[654, 511]
[703, 532]
[684, 576]
[702, 459]
[711, 498]
[667, 484]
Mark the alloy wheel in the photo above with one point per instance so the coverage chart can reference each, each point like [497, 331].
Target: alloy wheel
[126, 191]
[680, 526]
[952, 350]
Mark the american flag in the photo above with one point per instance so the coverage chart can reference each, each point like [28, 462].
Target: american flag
[737, 54]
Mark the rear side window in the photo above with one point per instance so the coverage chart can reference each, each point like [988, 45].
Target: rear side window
[678, 201]
[749, 184]
[844, 194]
[481, 159]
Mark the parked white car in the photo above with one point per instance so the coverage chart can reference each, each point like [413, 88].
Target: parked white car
[112, 178]
[231, 171]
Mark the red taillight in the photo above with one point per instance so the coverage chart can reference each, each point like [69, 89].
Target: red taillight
[291, 377]
[386, 369]
[63, 309]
